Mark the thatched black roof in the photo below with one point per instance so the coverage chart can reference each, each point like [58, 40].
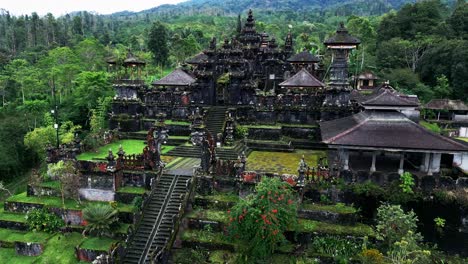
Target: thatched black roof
[446, 104]
[342, 37]
[302, 79]
[176, 78]
[385, 129]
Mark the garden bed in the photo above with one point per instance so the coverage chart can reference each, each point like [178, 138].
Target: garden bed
[130, 146]
[281, 162]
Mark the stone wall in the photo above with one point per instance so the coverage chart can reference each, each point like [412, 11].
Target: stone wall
[91, 194]
[28, 249]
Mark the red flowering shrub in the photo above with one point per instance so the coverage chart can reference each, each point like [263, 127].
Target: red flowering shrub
[259, 221]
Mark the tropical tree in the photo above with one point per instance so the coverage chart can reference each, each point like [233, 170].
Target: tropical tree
[157, 43]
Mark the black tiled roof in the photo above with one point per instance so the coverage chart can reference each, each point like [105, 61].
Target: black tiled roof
[302, 79]
[200, 57]
[389, 129]
[176, 78]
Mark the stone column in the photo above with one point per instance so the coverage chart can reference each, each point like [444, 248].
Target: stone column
[429, 166]
[436, 162]
[402, 162]
[374, 157]
[344, 158]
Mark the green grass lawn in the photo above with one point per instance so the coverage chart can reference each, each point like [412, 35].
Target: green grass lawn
[9, 235]
[51, 184]
[56, 202]
[96, 243]
[13, 217]
[282, 162]
[462, 139]
[359, 230]
[10, 255]
[179, 123]
[61, 249]
[132, 190]
[337, 208]
[431, 126]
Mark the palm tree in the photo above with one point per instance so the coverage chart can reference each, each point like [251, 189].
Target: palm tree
[100, 218]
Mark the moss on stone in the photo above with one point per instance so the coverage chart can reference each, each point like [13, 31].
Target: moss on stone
[209, 214]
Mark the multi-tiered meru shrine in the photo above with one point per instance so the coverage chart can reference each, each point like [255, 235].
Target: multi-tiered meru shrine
[250, 80]
[250, 72]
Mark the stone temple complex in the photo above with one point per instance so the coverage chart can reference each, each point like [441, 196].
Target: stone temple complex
[245, 108]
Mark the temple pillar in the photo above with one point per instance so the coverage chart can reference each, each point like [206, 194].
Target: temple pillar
[429, 166]
[424, 162]
[435, 164]
[344, 158]
[374, 157]
[402, 163]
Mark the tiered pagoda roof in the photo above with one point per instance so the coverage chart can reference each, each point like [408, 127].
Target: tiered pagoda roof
[302, 79]
[176, 78]
[385, 130]
[342, 37]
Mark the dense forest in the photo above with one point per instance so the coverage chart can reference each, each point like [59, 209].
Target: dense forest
[422, 48]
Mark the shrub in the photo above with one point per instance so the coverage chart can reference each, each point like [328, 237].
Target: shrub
[336, 247]
[42, 220]
[407, 182]
[372, 256]
[407, 250]
[100, 218]
[240, 132]
[393, 224]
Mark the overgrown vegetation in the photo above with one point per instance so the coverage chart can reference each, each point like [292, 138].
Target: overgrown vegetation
[43, 220]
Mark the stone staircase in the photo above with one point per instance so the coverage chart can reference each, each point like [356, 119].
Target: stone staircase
[215, 119]
[156, 226]
[223, 153]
